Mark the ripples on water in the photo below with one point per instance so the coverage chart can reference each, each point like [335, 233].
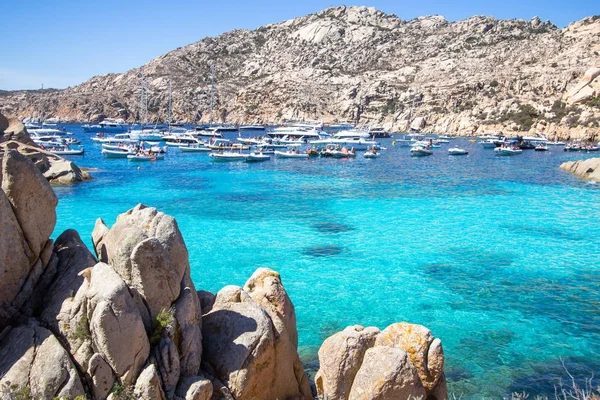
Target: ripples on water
[498, 256]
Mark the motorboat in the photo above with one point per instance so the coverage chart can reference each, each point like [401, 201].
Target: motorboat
[252, 128]
[147, 135]
[371, 154]
[359, 140]
[455, 151]
[541, 147]
[555, 143]
[227, 156]
[378, 132]
[290, 154]
[195, 148]
[118, 138]
[117, 153]
[507, 151]
[67, 152]
[313, 152]
[257, 157]
[107, 125]
[489, 143]
[145, 157]
[203, 131]
[420, 151]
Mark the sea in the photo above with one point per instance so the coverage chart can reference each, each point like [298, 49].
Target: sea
[498, 256]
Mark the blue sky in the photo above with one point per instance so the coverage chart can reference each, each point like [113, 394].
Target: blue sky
[64, 42]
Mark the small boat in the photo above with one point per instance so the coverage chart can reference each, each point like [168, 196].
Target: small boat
[252, 128]
[290, 154]
[370, 154]
[556, 143]
[194, 149]
[227, 156]
[117, 153]
[145, 157]
[257, 157]
[541, 147]
[67, 152]
[420, 151]
[312, 152]
[489, 143]
[342, 154]
[507, 151]
[455, 151]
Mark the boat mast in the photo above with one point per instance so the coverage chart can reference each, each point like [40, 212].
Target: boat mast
[170, 103]
[212, 91]
[43, 116]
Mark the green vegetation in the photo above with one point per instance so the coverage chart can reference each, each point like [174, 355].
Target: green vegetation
[16, 392]
[82, 330]
[390, 106]
[121, 392]
[524, 117]
[162, 320]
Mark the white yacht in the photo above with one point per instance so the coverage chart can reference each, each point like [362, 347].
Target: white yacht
[359, 140]
[107, 125]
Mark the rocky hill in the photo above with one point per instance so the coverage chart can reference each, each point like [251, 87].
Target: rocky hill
[358, 63]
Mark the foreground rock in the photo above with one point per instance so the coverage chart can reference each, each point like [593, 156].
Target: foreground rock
[586, 169]
[54, 168]
[130, 324]
[402, 361]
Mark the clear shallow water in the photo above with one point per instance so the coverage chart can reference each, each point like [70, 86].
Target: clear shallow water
[498, 256]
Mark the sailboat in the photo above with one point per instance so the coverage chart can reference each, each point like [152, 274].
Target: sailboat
[145, 134]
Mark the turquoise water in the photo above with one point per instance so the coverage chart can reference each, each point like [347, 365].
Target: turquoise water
[498, 256]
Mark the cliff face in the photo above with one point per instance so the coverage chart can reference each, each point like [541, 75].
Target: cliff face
[357, 63]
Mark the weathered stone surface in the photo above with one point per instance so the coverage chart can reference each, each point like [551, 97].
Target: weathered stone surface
[238, 342]
[14, 260]
[72, 257]
[32, 199]
[30, 356]
[207, 299]
[112, 312]
[116, 246]
[167, 359]
[152, 276]
[189, 321]
[194, 388]
[386, 374]
[419, 344]
[13, 129]
[586, 169]
[148, 385]
[54, 168]
[101, 375]
[340, 357]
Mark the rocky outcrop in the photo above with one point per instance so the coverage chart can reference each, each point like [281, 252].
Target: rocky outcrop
[402, 361]
[250, 340]
[54, 168]
[360, 64]
[586, 169]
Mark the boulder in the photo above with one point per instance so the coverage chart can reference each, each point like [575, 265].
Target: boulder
[425, 352]
[238, 342]
[167, 359]
[31, 357]
[32, 199]
[54, 168]
[386, 374]
[117, 247]
[102, 376]
[111, 312]
[147, 386]
[586, 169]
[250, 341]
[194, 388]
[189, 322]
[402, 360]
[13, 129]
[340, 357]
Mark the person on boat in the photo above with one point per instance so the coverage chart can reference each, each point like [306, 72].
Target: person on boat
[373, 150]
[352, 151]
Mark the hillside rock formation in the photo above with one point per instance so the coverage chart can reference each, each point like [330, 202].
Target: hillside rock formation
[587, 169]
[14, 136]
[360, 64]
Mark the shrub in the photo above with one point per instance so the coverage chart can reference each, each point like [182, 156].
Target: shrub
[162, 320]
